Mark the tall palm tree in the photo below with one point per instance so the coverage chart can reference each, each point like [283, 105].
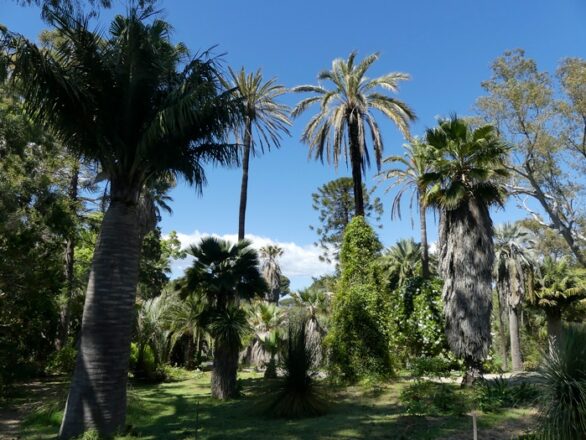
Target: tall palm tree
[513, 258]
[264, 120]
[464, 181]
[271, 270]
[123, 100]
[265, 319]
[404, 261]
[339, 128]
[557, 285]
[225, 273]
[409, 178]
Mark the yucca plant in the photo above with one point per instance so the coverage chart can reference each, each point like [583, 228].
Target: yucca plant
[563, 381]
[297, 395]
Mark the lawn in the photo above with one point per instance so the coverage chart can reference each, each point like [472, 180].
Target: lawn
[184, 410]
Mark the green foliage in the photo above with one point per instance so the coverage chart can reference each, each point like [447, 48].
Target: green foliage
[497, 394]
[334, 201]
[562, 379]
[297, 395]
[436, 366]
[62, 361]
[229, 326]
[431, 398]
[359, 250]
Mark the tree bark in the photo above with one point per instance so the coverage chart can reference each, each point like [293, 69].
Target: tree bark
[505, 345]
[97, 395]
[244, 185]
[356, 163]
[516, 356]
[554, 328]
[224, 372]
[424, 246]
[69, 260]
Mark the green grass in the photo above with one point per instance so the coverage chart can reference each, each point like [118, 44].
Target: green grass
[170, 411]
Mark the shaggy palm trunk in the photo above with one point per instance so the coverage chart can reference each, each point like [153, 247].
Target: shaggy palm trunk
[356, 162]
[224, 372]
[424, 246]
[97, 396]
[69, 262]
[271, 369]
[516, 358]
[466, 260]
[244, 186]
[554, 328]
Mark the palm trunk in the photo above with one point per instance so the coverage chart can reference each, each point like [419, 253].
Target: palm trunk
[224, 372]
[502, 312]
[424, 246]
[69, 260]
[554, 327]
[356, 163]
[189, 354]
[516, 357]
[97, 396]
[244, 186]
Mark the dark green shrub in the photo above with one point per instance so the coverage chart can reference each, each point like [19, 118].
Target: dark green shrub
[437, 366]
[297, 395]
[494, 395]
[563, 382]
[62, 361]
[431, 398]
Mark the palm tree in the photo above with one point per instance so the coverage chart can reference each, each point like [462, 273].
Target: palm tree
[260, 113]
[513, 258]
[557, 286]
[272, 271]
[316, 304]
[265, 319]
[404, 261]
[409, 178]
[464, 181]
[127, 106]
[225, 273]
[339, 128]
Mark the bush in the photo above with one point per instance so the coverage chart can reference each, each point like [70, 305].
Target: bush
[494, 395]
[437, 366]
[563, 382]
[431, 398]
[62, 361]
[297, 395]
[145, 369]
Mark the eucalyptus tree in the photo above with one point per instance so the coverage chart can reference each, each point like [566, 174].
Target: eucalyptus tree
[225, 273]
[340, 126]
[513, 259]
[465, 180]
[407, 175]
[264, 121]
[271, 270]
[133, 109]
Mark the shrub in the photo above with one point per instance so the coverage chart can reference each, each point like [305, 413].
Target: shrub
[296, 394]
[437, 366]
[563, 381]
[494, 395]
[62, 361]
[431, 398]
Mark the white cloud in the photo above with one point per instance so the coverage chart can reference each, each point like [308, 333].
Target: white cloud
[299, 262]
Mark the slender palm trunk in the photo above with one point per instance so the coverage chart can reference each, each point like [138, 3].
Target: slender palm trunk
[244, 186]
[97, 396]
[424, 246]
[554, 327]
[516, 357]
[69, 261]
[224, 372]
[356, 163]
[503, 330]
[189, 354]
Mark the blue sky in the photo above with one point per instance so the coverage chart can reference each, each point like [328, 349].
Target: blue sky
[446, 46]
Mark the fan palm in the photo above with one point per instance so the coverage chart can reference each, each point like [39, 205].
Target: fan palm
[339, 128]
[261, 114]
[409, 178]
[264, 318]
[224, 273]
[513, 258]
[316, 304]
[271, 270]
[120, 100]
[464, 181]
[557, 286]
[404, 261]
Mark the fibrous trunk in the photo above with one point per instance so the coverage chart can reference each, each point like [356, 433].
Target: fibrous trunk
[97, 396]
[516, 356]
[466, 259]
[356, 163]
[224, 372]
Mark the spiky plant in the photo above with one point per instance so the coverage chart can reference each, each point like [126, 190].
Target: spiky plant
[340, 127]
[562, 377]
[296, 394]
[465, 179]
[264, 121]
